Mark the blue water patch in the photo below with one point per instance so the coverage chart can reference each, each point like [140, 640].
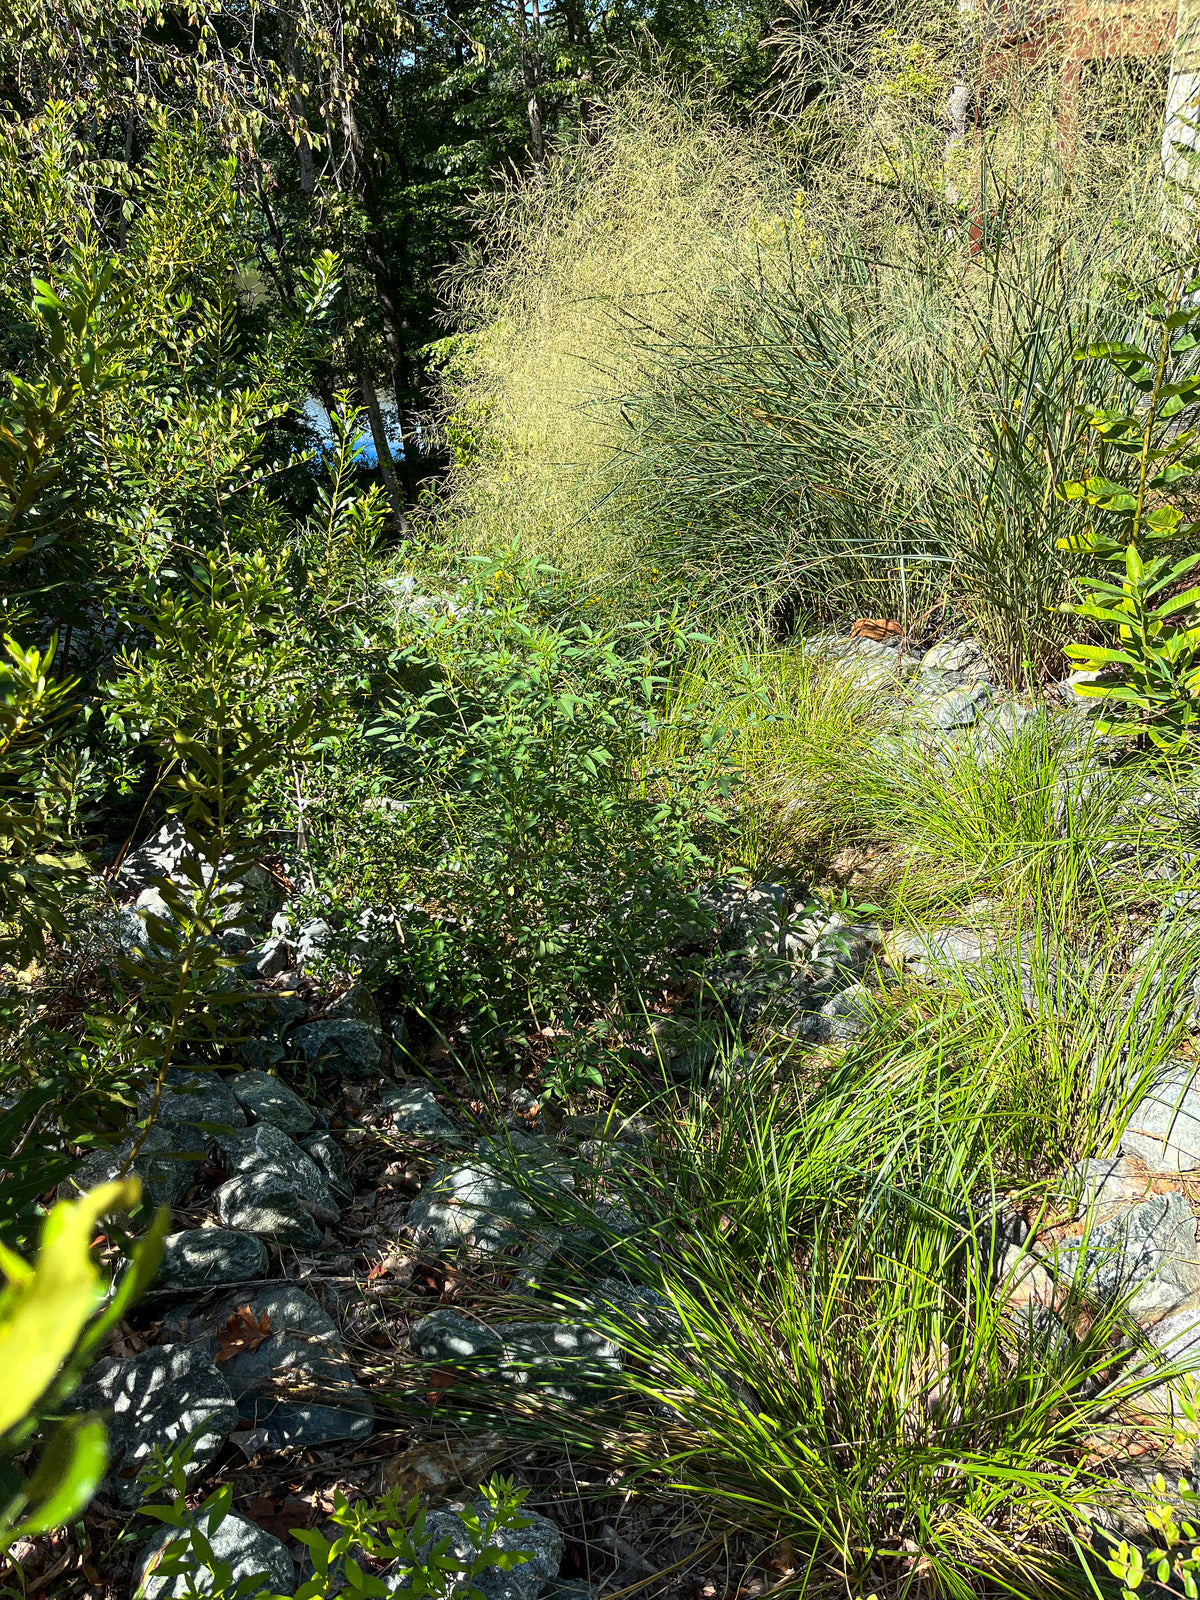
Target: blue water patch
[317, 418]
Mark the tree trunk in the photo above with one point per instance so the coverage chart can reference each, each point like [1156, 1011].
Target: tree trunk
[391, 318]
[528, 52]
[383, 450]
[396, 341]
[295, 67]
[581, 37]
[1182, 111]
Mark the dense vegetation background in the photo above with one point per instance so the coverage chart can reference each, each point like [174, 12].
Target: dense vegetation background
[656, 346]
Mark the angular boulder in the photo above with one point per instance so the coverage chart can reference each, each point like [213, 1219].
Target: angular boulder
[542, 1541]
[270, 1204]
[158, 1397]
[250, 1551]
[1147, 1251]
[268, 1100]
[296, 1388]
[201, 1258]
[1164, 1130]
[470, 1206]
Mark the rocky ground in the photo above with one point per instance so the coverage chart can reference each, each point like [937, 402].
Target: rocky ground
[353, 1218]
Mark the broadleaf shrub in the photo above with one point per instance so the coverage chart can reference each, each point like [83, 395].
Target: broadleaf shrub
[527, 838]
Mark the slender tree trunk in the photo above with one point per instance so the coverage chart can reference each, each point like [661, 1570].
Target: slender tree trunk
[529, 72]
[1182, 111]
[391, 318]
[295, 66]
[383, 450]
[581, 37]
[396, 342]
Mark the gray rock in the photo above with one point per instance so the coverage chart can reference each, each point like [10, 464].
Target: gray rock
[1150, 1245]
[846, 646]
[357, 1005]
[959, 708]
[752, 991]
[843, 945]
[271, 1101]
[874, 672]
[1177, 1339]
[157, 1397]
[751, 917]
[268, 959]
[203, 1256]
[1000, 727]
[940, 949]
[1069, 689]
[249, 1549]
[564, 1359]
[166, 1174]
[325, 1153]
[543, 1541]
[264, 1148]
[297, 1388]
[286, 1009]
[634, 1131]
[267, 1203]
[159, 857]
[469, 1207]
[128, 928]
[694, 1062]
[413, 1109]
[152, 904]
[278, 1013]
[536, 1159]
[445, 1336]
[956, 655]
[351, 1049]
[203, 1098]
[262, 1055]
[1105, 1182]
[311, 944]
[849, 1012]
[638, 1304]
[239, 941]
[1164, 1130]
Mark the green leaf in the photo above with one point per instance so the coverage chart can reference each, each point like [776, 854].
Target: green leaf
[44, 1307]
[67, 1476]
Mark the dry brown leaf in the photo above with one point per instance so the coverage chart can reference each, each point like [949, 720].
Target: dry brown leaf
[437, 1382]
[242, 1333]
[279, 1518]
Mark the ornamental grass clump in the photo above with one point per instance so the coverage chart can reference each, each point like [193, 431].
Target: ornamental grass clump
[839, 1352]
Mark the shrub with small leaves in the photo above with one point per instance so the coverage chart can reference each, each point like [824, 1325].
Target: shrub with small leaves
[373, 1539]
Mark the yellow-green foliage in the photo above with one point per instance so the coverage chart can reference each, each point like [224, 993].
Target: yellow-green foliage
[636, 389]
[800, 728]
[647, 224]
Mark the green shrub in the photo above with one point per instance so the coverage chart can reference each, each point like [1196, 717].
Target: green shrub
[1145, 463]
[370, 1538]
[531, 842]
